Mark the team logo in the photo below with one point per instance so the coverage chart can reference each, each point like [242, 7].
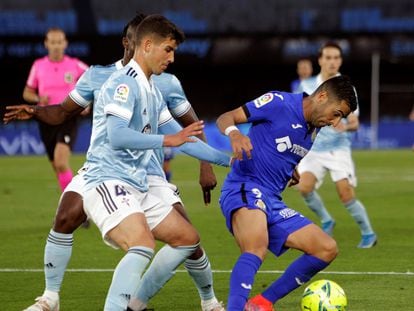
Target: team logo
[147, 129]
[69, 78]
[121, 93]
[260, 204]
[283, 143]
[263, 100]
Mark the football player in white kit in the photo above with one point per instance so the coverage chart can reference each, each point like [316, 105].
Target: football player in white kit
[331, 151]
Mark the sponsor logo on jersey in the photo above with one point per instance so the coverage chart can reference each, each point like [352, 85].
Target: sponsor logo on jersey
[299, 150]
[263, 100]
[121, 93]
[296, 126]
[283, 143]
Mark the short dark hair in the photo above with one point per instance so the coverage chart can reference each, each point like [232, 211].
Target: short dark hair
[160, 26]
[138, 18]
[342, 88]
[330, 44]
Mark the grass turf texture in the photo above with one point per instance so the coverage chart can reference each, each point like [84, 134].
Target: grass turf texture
[29, 195]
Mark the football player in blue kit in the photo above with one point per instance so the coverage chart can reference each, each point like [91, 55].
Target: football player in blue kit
[282, 131]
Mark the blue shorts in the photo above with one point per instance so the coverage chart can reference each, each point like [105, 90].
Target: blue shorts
[281, 220]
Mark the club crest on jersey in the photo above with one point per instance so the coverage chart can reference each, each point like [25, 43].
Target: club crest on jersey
[69, 78]
[263, 100]
[147, 129]
[260, 204]
[121, 93]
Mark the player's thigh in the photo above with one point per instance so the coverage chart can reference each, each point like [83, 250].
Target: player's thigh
[175, 230]
[132, 231]
[250, 230]
[70, 214]
[312, 240]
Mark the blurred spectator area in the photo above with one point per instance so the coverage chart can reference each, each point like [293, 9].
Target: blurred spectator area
[233, 53]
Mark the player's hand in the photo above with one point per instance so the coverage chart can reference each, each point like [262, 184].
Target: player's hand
[240, 143]
[18, 112]
[208, 181]
[86, 111]
[185, 135]
[294, 179]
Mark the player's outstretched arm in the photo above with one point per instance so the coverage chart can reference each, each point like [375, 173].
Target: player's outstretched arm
[207, 179]
[53, 115]
[198, 149]
[240, 143]
[120, 136]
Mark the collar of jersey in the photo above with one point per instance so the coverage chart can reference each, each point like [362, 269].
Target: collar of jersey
[141, 75]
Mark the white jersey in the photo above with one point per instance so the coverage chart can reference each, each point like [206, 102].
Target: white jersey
[328, 138]
[129, 95]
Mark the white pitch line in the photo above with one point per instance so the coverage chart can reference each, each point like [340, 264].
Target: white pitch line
[408, 273]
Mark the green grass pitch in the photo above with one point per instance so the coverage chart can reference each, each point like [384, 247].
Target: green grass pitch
[380, 278]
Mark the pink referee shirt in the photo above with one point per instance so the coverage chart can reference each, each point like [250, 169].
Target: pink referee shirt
[55, 79]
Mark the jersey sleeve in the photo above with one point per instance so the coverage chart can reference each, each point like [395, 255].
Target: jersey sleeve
[263, 107]
[82, 67]
[83, 93]
[176, 100]
[32, 80]
[119, 95]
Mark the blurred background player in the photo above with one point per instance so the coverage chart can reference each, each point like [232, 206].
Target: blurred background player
[304, 70]
[331, 152]
[51, 79]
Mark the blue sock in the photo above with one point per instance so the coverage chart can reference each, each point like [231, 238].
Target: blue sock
[315, 203]
[126, 277]
[241, 280]
[359, 213]
[299, 272]
[161, 270]
[200, 272]
[58, 251]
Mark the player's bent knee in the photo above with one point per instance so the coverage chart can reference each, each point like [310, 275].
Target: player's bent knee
[329, 250]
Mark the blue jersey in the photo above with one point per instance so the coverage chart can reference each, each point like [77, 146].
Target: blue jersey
[129, 95]
[280, 138]
[328, 138]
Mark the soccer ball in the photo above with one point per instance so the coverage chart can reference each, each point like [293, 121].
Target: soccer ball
[324, 295]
